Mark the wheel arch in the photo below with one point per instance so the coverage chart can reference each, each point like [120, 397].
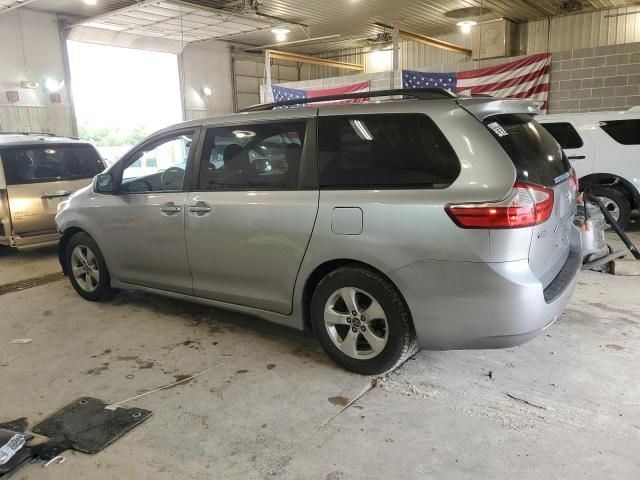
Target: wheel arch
[62, 245]
[321, 271]
[605, 179]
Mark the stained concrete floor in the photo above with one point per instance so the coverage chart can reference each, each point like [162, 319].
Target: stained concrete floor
[566, 405]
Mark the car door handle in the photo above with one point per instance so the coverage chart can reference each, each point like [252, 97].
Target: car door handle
[200, 208]
[58, 193]
[170, 209]
[577, 157]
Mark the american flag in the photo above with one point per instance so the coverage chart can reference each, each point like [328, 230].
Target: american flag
[413, 79]
[527, 77]
[281, 94]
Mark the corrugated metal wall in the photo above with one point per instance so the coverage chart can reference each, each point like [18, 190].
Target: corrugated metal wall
[36, 118]
[595, 29]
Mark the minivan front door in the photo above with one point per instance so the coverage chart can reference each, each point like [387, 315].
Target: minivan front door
[250, 218]
[142, 226]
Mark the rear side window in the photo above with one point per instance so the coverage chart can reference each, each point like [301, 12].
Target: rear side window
[534, 152]
[384, 151]
[49, 163]
[565, 134]
[626, 132]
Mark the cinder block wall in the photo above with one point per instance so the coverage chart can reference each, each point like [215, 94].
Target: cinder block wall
[595, 79]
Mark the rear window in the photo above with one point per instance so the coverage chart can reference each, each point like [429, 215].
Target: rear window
[565, 134]
[49, 163]
[536, 155]
[384, 151]
[626, 132]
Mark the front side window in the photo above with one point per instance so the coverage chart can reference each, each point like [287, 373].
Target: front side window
[565, 134]
[384, 151]
[158, 167]
[50, 163]
[252, 157]
[626, 132]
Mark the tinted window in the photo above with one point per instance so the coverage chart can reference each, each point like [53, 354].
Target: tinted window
[50, 163]
[534, 152]
[626, 132]
[396, 150]
[252, 157]
[565, 134]
[158, 166]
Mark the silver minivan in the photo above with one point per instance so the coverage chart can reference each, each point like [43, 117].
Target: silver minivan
[425, 221]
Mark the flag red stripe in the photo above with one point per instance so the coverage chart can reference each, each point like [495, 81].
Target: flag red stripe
[512, 82]
[482, 72]
[543, 87]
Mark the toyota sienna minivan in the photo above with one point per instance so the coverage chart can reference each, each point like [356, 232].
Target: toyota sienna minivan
[432, 222]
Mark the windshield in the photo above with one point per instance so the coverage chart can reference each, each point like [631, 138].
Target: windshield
[49, 163]
[537, 156]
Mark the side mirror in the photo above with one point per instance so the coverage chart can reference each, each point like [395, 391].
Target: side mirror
[104, 183]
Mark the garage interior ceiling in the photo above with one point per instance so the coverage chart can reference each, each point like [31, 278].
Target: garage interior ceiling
[354, 20]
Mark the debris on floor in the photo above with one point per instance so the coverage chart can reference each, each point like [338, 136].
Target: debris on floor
[85, 425]
[18, 341]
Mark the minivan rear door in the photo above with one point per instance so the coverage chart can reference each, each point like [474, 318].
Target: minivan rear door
[39, 177]
[539, 160]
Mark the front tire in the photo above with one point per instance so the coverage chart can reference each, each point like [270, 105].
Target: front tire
[87, 269]
[616, 203]
[362, 321]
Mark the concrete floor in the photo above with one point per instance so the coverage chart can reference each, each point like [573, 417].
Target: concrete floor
[566, 405]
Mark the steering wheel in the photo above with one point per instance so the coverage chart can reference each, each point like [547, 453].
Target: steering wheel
[172, 176]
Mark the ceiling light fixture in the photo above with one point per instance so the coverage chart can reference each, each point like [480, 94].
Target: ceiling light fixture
[90, 2]
[466, 25]
[280, 33]
[206, 91]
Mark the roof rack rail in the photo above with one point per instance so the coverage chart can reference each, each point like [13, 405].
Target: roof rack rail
[417, 93]
[40, 134]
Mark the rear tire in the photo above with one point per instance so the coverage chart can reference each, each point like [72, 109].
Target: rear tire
[616, 203]
[87, 269]
[379, 337]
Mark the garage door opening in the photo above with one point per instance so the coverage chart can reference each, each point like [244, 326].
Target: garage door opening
[122, 94]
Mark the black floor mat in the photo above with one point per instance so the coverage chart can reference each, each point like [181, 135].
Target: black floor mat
[86, 426]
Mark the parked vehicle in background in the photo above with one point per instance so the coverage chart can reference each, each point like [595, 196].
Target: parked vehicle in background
[604, 149]
[428, 222]
[37, 172]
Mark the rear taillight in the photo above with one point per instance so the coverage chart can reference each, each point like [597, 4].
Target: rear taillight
[526, 205]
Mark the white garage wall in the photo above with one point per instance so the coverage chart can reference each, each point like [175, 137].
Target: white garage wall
[30, 49]
[207, 64]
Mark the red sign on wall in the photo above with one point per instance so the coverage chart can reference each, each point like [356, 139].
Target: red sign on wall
[55, 98]
[13, 96]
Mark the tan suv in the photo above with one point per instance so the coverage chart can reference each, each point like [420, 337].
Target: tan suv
[37, 172]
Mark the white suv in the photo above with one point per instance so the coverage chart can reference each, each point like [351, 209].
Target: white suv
[604, 149]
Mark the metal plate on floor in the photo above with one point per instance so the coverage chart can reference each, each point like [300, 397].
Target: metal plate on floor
[86, 426]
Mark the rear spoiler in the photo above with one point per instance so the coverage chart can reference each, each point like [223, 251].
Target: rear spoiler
[484, 107]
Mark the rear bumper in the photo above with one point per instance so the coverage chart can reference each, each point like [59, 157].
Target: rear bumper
[461, 305]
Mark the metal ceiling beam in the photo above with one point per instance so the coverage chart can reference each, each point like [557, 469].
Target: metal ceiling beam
[434, 42]
[424, 39]
[16, 5]
[293, 57]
